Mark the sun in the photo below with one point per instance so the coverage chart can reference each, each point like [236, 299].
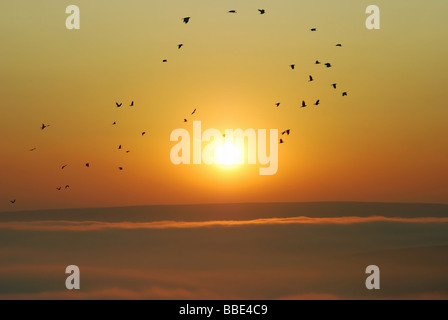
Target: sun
[227, 154]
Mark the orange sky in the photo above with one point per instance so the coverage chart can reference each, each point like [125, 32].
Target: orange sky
[386, 141]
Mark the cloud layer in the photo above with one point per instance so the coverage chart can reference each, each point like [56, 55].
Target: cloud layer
[98, 225]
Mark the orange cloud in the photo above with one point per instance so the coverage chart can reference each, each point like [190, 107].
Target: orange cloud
[313, 296]
[159, 293]
[152, 293]
[98, 226]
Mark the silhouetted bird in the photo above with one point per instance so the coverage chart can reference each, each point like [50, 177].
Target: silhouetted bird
[128, 151]
[114, 123]
[44, 126]
[132, 104]
[287, 132]
[120, 168]
[262, 11]
[164, 60]
[119, 147]
[143, 133]
[194, 111]
[67, 186]
[186, 19]
[87, 165]
[317, 103]
[344, 94]
[317, 62]
[339, 45]
[33, 149]
[13, 201]
[311, 79]
[293, 66]
[118, 104]
[303, 104]
[64, 166]
[232, 11]
[328, 65]
[180, 46]
[185, 120]
[59, 188]
[334, 85]
[278, 104]
[313, 29]
[281, 141]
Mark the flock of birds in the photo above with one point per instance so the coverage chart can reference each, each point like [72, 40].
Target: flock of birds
[87, 164]
[186, 20]
[287, 132]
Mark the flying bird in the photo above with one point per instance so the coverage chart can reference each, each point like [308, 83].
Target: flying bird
[287, 132]
[164, 60]
[317, 103]
[278, 104]
[67, 186]
[118, 104]
[334, 85]
[128, 151]
[328, 65]
[59, 188]
[313, 29]
[119, 147]
[281, 141]
[44, 126]
[194, 111]
[143, 133]
[186, 19]
[232, 11]
[262, 11]
[33, 149]
[339, 45]
[13, 201]
[132, 104]
[293, 66]
[120, 168]
[64, 166]
[114, 123]
[180, 45]
[317, 62]
[88, 165]
[185, 120]
[344, 94]
[303, 104]
[311, 79]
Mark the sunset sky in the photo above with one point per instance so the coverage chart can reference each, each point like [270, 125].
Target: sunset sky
[387, 141]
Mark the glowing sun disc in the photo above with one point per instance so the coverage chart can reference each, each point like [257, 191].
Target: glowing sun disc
[227, 154]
